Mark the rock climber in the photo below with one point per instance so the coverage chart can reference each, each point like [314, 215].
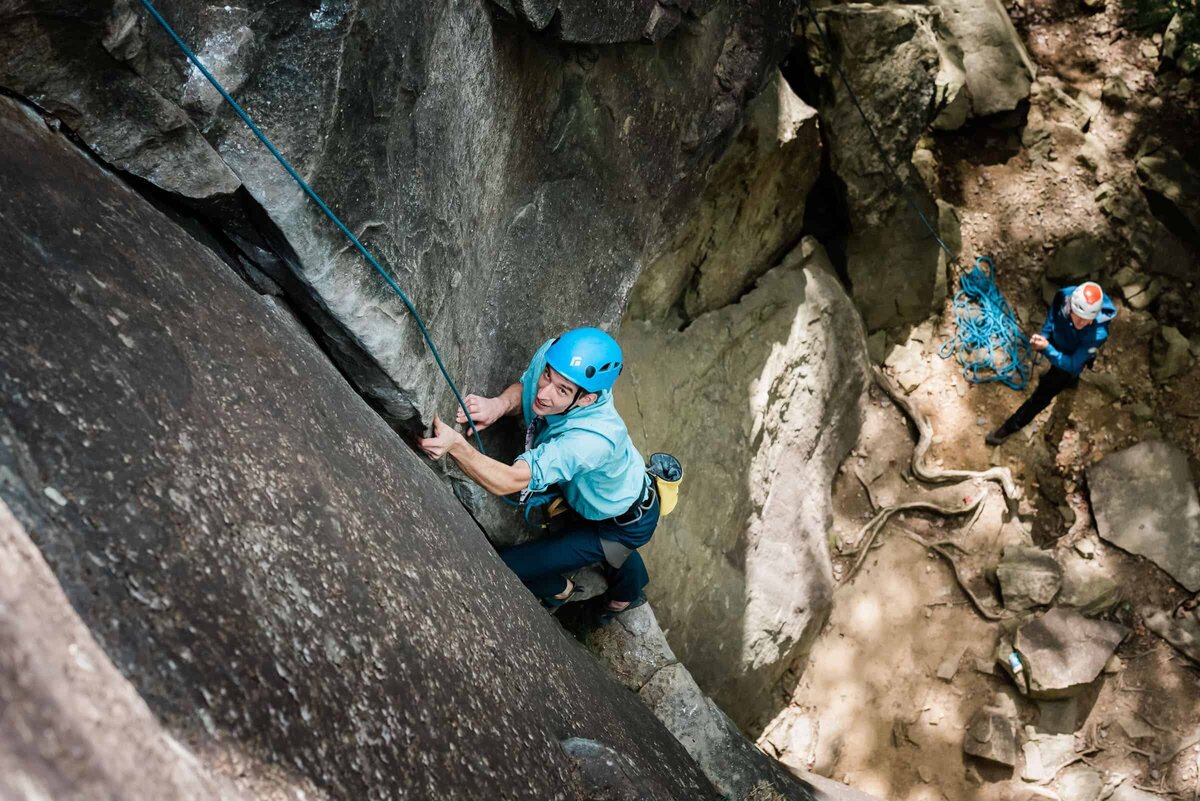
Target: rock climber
[575, 443]
[1075, 329]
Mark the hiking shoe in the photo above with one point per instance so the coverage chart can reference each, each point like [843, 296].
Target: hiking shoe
[996, 437]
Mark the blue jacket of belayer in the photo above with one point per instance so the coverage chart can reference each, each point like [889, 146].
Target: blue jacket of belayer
[587, 452]
[1072, 348]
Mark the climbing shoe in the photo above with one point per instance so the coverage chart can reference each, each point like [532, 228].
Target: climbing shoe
[996, 437]
[606, 615]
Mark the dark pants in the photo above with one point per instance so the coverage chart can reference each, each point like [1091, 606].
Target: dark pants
[541, 564]
[1052, 382]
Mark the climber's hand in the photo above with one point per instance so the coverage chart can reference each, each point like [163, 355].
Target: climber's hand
[444, 438]
[1039, 342]
[484, 411]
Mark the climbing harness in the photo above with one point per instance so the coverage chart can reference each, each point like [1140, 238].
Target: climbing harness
[989, 343]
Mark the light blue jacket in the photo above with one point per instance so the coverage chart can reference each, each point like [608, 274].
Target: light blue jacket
[587, 452]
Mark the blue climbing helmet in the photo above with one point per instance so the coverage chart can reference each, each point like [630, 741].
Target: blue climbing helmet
[587, 357]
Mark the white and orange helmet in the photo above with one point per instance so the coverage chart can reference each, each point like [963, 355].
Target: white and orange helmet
[1087, 299]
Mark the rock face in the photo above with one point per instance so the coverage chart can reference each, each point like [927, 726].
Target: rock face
[1064, 652]
[897, 57]
[603, 22]
[512, 183]
[1145, 502]
[61, 693]
[715, 742]
[760, 401]
[249, 542]
[1162, 170]
[998, 70]
[636, 649]
[752, 208]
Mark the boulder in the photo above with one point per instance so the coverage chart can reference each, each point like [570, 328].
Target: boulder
[1064, 652]
[739, 770]
[1145, 502]
[909, 365]
[998, 69]
[1080, 256]
[1028, 578]
[268, 564]
[1116, 92]
[992, 734]
[750, 214]
[1170, 354]
[1163, 171]
[609, 775]
[1080, 783]
[740, 573]
[896, 56]
[590, 22]
[74, 729]
[1087, 587]
[1046, 754]
[1182, 632]
[511, 185]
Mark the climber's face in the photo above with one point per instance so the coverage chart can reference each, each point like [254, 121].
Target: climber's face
[1080, 322]
[555, 394]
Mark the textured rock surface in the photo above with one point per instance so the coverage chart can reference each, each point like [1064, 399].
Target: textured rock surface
[740, 573]
[1064, 651]
[636, 649]
[990, 735]
[1028, 578]
[61, 694]
[739, 770]
[895, 56]
[1183, 632]
[1161, 169]
[249, 542]
[604, 20]
[751, 211]
[1145, 502]
[998, 70]
[493, 169]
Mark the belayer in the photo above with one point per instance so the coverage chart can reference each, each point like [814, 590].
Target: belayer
[1075, 329]
[575, 443]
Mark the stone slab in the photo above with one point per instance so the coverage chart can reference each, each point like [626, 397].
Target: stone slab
[1064, 651]
[1145, 503]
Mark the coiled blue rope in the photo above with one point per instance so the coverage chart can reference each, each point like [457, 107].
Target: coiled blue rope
[308, 190]
[989, 343]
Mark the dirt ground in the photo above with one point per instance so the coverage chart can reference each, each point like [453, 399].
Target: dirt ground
[869, 708]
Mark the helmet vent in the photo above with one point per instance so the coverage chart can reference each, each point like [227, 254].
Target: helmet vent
[591, 371]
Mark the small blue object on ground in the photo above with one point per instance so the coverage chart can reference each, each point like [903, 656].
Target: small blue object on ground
[989, 343]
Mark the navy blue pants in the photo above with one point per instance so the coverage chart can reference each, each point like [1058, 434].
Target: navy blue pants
[541, 564]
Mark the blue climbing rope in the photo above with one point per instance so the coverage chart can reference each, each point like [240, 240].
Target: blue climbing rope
[308, 190]
[989, 343]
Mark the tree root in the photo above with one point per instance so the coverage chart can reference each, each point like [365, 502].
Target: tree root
[868, 533]
[937, 475]
[986, 613]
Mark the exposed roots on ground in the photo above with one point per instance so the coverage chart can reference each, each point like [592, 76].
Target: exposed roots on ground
[867, 534]
[937, 475]
[937, 548]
